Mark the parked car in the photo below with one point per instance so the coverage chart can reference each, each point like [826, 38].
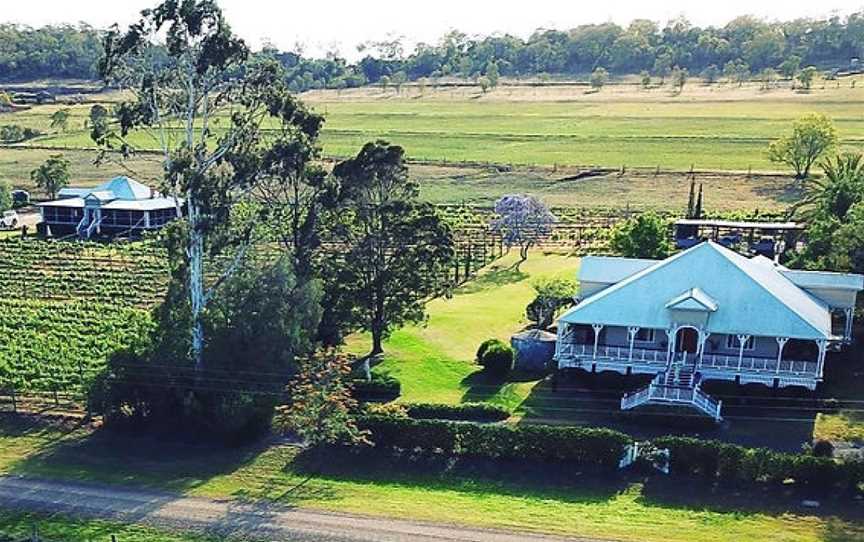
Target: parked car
[9, 220]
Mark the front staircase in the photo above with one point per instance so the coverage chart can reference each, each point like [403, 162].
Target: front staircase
[88, 225]
[678, 385]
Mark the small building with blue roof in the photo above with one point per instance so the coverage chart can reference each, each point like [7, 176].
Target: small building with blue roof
[121, 206]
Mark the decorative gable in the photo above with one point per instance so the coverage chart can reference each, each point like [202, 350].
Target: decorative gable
[693, 299]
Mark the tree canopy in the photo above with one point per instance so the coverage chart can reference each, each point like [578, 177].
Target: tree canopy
[744, 45]
[52, 175]
[5, 196]
[646, 236]
[523, 221]
[395, 244]
[812, 136]
[834, 211]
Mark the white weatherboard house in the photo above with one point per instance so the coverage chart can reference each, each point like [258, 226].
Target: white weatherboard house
[707, 313]
[121, 205]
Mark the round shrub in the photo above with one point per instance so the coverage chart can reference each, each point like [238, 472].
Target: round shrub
[488, 343]
[497, 359]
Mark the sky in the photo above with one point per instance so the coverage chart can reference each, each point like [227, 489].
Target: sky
[324, 25]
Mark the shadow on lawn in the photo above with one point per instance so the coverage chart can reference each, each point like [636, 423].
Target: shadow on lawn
[516, 478]
[480, 386]
[791, 192]
[145, 461]
[494, 278]
[748, 499]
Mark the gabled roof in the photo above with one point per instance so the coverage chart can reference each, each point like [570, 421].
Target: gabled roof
[693, 299]
[751, 297]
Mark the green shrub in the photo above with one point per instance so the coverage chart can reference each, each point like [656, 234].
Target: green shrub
[692, 456]
[381, 389]
[820, 473]
[497, 359]
[411, 435]
[479, 412]
[485, 346]
[600, 448]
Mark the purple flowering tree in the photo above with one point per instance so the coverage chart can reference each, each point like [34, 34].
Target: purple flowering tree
[522, 221]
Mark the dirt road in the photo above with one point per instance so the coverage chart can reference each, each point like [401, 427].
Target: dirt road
[248, 520]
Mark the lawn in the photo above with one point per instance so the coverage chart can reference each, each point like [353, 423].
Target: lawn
[566, 504]
[434, 361]
[54, 528]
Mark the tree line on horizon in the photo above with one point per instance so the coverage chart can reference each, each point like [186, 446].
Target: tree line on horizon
[746, 45]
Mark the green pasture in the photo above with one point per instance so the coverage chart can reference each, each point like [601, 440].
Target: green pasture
[708, 133]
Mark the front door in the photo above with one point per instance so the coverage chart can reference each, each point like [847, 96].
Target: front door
[687, 340]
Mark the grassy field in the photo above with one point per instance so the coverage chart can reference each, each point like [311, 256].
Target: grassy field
[16, 163]
[711, 128]
[479, 185]
[569, 504]
[434, 361]
[55, 528]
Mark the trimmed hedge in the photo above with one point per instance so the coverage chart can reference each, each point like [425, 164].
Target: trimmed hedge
[381, 389]
[600, 448]
[713, 461]
[729, 463]
[478, 412]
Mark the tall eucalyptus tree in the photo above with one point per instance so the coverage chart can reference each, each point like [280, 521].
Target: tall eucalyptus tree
[195, 92]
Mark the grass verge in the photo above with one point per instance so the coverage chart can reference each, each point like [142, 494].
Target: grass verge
[545, 500]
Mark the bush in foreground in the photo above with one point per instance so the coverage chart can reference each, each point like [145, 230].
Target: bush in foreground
[496, 357]
[601, 448]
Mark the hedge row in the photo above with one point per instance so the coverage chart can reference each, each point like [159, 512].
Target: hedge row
[715, 461]
[477, 412]
[381, 389]
[575, 445]
[729, 463]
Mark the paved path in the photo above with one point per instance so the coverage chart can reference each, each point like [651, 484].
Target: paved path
[256, 520]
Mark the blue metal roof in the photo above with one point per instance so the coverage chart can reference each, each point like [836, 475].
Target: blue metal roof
[752, 297]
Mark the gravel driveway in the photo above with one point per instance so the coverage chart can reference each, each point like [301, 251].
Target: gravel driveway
[254, 520]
